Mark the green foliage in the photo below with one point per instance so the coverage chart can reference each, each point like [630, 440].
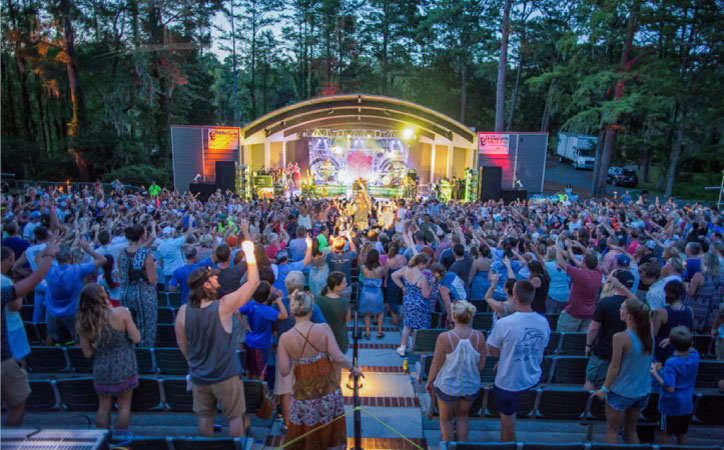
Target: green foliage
[140, 175]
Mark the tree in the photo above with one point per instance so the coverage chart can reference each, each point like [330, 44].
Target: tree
[502, 67]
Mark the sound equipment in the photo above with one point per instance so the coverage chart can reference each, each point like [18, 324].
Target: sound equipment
[471, 185]
[243, 182]
[203, 189]
[511, 195]
[263, 181]
[491, 180]
[226, 175]
[31, 439]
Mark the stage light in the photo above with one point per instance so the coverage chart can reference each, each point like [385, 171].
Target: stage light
[337, 149]
[408, 133]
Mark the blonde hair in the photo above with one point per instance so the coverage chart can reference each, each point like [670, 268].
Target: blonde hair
[92, 314]
[301, 303]
[463, 311]
[711, 264]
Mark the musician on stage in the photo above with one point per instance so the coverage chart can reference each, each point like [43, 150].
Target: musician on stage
[362, 207]
[326, 169]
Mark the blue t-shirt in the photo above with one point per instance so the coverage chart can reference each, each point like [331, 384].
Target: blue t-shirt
[693, 265]
[181, 274]
[8, 295]
[284, 325]
[282, 272]
[65, 282]
[456, 286]
[260, 318]
[679, 372]
[17, 244]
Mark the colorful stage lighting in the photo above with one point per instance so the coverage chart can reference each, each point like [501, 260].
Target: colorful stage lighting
[408, 133]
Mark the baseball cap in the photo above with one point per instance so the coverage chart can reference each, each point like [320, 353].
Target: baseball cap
[281, 256]
[167, 231]
[200, 275]
[35, 215]
[623, 260]
[625, 277]
[650, 244]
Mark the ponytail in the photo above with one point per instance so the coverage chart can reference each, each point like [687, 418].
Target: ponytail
[641, 314]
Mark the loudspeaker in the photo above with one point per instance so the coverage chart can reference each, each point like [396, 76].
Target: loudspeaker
[203, 189]
[511, 195]
[491, 179]
[226, 175]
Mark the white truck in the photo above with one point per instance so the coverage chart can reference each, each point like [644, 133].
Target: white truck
[577, 148]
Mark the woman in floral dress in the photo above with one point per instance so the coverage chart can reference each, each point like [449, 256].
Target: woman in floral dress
[416, 290]
[317, 402]
[107, 334]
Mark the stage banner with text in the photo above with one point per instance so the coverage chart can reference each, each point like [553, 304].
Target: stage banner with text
[493, 144]
[223, 139]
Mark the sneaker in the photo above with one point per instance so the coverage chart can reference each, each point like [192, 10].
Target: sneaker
[401, 350]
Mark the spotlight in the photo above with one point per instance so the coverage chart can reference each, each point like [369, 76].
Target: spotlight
[408, 133]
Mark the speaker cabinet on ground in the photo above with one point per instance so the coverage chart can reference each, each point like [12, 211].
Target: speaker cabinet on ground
[203, 189]
[511, 195]
[226, 175]
[491, 179]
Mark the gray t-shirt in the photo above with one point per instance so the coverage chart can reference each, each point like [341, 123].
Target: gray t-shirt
[341, 262]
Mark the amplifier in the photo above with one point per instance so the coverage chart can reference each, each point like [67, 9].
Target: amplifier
[263, 181]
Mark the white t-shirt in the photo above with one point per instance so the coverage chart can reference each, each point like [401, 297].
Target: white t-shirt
[656, 296]
[521, 337]
[400, 226]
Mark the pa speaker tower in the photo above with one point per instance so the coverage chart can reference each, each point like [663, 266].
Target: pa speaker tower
[226, 175]
[491, 178]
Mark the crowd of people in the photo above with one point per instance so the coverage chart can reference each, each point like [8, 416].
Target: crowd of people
[275, 277]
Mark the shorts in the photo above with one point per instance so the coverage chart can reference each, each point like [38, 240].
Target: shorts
[553, 306]
[255, 360]
[621, 403]
[454, 398]
[229, 394]
[596, 370]
[57, 324]
[283, 385]
[15, 384]
[675, 425]
[569, 324]
[507, 400]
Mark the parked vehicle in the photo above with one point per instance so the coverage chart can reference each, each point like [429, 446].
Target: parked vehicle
[579, 149]
[618, 176]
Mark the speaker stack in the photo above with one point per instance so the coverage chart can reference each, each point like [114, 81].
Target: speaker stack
[491, 179]
[226, 176]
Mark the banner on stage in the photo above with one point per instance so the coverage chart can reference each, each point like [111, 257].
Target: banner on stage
[493, 144]
[223, 139]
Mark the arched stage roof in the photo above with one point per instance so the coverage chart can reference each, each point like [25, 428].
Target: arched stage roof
[358, 111]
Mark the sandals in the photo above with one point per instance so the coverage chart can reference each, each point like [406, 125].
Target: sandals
[367, 336]
[380, 335]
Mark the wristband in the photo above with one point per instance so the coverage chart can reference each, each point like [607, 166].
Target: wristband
[605, 389]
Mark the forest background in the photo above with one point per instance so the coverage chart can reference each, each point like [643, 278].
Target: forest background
[90, 87]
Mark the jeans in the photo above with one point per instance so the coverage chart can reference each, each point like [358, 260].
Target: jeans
[39, 303]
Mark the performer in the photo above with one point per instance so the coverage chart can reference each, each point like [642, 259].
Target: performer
[326, 169]
[296, 171]
[362, 207]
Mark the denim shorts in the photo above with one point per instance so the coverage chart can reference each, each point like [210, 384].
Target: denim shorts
[507, 400]
[454, 398]
[621, 403]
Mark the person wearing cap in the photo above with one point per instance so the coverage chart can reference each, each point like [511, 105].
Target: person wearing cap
[341, 261]
[28, 230]
[284, 266]
[204, 335]
[605, 323]
[169, 251]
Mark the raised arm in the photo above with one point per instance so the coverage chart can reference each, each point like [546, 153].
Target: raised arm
[235, 300]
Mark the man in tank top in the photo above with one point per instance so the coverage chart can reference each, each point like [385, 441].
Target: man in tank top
[204, 335]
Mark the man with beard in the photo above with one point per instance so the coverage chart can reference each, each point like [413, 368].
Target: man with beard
[204, 335]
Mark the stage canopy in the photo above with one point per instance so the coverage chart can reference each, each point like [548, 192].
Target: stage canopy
[439, 146]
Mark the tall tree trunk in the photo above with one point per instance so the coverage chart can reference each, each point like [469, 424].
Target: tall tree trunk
[11, 123]
[545, 121]
[599, 185]
[41, 118]
[233, 59]
[75, 127]
[514, 100]
[677, 151]
[599, 154]
[646, 164]
[463, 90]
[252, 69]
[502, 66]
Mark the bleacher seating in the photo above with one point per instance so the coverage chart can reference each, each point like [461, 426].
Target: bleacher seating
[573, 344]
[570, 370]
[206, 443]
[77, 394]
[48, 359]
[526, 404]
[423, 341]
[558, 403]
[483, 321]
[147, 396]
[165, 315]
[144, 359]
[42, 396]
[170, 361]
[710, 372]
[78, 362]
[566, 446]
[165, 335]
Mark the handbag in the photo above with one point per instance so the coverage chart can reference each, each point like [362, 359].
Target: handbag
[266, 409]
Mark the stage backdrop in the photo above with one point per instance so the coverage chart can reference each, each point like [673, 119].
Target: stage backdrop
[195, 150]
[521, 155]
